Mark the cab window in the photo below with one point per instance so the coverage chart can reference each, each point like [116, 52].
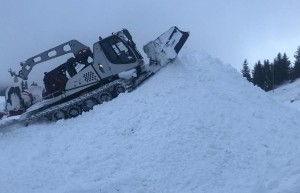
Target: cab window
[116, 51]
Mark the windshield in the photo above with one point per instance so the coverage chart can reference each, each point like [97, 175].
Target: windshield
[116, 51]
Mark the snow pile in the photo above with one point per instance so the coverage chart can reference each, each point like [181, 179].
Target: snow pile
[288, 94]
[196, 126]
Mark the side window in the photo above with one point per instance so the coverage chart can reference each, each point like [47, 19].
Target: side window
[116, 51]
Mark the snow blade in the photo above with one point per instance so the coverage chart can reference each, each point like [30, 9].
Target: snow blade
[165, 48]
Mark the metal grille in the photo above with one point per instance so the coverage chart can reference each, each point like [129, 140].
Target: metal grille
[89, 76]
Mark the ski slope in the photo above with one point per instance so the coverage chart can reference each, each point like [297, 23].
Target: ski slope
[195, 127]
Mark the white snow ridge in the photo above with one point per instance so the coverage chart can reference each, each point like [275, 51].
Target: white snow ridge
[197, 126]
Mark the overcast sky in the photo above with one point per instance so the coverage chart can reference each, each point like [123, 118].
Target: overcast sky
[231, 30]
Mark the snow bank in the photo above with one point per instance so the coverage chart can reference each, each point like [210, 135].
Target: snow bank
[196, 126]
[288, 94]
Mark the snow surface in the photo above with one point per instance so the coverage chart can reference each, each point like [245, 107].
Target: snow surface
[288, 94]
[196, 126]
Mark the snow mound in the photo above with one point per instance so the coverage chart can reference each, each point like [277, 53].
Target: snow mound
[196, 126]
[288, 94]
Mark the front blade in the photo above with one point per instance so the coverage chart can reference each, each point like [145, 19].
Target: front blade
[165, 48]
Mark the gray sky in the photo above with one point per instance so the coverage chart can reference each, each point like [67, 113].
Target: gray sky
[231, 30]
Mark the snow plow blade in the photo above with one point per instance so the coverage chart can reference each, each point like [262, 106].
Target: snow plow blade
[165, 48]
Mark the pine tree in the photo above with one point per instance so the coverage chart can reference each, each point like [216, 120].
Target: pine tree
[246, 71]
[296, 68]
[268, 76]
[286, 69]
[258, 75]
[278, 69]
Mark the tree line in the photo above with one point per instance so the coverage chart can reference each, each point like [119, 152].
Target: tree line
[268, 75]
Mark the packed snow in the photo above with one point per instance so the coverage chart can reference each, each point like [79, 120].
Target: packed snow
[197, 126]
[288, 94]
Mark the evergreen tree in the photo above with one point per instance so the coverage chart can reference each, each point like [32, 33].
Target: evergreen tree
[246, 71]
[268, 76]
[282, 69]
[278, 78]
[286, 69]
[296, 69]
[258, 77]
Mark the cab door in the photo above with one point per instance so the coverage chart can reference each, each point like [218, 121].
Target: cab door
[100, 62]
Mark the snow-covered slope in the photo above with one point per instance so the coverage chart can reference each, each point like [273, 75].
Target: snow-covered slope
[197, 126]
[288, 94]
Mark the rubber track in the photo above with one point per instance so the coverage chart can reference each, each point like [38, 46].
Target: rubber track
[79, 100]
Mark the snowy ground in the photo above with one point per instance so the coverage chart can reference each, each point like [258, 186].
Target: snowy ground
[288, 94]
[195, 127]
